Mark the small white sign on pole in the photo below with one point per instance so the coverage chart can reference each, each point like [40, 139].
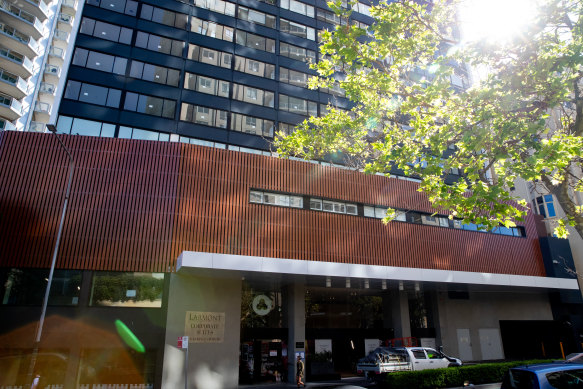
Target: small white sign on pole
[182, 342]
[370, 345]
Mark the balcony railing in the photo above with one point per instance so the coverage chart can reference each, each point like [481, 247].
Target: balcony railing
[57, 52]
[11, 102]
[69, 3]
[45, 87]
[5, 125]
[62, 35]
[37, 127]
[41, 4]
[66, 18]
[18, 58]
[52, 70]
[27, 40]
[14, 80]
[24, 16]
[42, 107]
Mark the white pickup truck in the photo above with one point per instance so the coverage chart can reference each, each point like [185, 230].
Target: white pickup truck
[389, 359]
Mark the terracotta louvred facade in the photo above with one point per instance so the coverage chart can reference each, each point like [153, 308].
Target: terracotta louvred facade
[136, 205]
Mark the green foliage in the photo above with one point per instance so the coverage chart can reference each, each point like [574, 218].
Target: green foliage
[523, 121]
[484, 373]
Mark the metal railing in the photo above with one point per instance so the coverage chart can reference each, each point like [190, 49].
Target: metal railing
[23, 15]
[5, 125]
[27, 40]
[42, 107]
[14, 80]
[57, 52]
[66, 18]
[52, 69]
[37, 127]
[11, 102]
[16, 57]
[45, 87]
[62, 35]
[69, 3]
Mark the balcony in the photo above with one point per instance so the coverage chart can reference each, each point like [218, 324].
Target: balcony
[47, 89]
[12, 85]
[10, 108]
[61, 36]
[42, 112]
[57, 53]
[15, 63]
[27, 23]
[5, 125]
[37, 127]
[37, 8]
[65, 22]
[17, 41]
[52, 73]
[70, 4]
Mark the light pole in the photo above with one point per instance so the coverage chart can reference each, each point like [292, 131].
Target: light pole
[53, 129]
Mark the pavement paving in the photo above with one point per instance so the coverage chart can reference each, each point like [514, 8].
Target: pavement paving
[345, 383]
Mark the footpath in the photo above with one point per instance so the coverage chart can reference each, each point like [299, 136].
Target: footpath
[345, 383]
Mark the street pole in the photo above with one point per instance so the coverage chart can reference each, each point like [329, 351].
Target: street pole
[39, 331]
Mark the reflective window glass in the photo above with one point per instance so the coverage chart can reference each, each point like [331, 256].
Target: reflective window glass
[85, 127]
[117, 289]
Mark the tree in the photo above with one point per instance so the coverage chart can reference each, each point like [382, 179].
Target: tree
[524, 120]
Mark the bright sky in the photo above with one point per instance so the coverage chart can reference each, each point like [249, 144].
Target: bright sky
[494, 20]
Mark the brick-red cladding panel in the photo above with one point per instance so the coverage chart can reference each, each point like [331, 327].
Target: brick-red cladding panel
[120, 211]
[218, 182]
[137, 205]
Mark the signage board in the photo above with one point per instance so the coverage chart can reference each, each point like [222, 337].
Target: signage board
[322, 345]
[205, 327]
[370, 345]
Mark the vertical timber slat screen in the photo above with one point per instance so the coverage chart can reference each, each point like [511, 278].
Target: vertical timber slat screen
[136, 205]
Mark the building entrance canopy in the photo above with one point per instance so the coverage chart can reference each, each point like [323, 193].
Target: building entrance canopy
[200, 260]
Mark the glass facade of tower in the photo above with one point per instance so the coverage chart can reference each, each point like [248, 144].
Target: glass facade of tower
[212, 72]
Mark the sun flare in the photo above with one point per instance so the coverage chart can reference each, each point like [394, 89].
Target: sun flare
[495, 20]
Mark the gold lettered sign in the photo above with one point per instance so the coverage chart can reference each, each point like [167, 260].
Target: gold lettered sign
[205, 327]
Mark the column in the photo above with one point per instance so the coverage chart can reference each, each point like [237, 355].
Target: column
[296, 323]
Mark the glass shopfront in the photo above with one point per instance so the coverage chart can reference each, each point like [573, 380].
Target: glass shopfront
[338, 323]
[263, 353]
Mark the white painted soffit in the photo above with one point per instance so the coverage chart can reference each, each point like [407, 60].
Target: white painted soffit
[201, 260]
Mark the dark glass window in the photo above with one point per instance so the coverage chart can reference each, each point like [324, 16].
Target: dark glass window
[125, 36]
[131, 101]
[100, 61]
[113, 98]
[119, 66]
[568, 379]
[72, 90]
[87, 26]
[136, 69]
[93, 94]
[107, 31]
[519, 379]
[150, 105]
[27, 286]
[80, 57]
[142, 39]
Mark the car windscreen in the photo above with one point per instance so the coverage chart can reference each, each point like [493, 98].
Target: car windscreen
[567, 379]
[519, 379]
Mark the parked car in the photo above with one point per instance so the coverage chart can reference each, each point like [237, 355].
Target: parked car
[389, 359]
[558, 375]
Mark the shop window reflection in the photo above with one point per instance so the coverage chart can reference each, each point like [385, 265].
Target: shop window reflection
[127, 289]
